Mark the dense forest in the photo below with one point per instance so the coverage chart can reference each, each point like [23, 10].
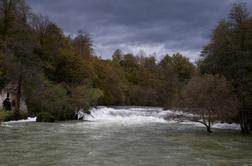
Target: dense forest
[57, 74]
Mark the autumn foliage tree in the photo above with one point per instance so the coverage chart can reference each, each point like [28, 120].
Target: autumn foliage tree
[45, 65]
[210, 98]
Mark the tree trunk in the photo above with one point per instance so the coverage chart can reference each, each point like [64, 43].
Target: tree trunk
[243, 118]
[209, 129]
[244, 122]
[18, 96]
[209, 122]
[208, 125]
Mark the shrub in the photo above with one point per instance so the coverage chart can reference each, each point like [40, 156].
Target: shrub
[11, 116]
[45, 117]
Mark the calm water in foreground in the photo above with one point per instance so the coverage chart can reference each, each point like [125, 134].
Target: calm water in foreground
[128, 137]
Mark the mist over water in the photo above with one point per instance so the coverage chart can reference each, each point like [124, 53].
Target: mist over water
[122, 136]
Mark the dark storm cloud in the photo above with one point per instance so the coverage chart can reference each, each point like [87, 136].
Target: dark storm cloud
[158, 25]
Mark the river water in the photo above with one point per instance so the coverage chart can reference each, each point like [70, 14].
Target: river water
[122, 137]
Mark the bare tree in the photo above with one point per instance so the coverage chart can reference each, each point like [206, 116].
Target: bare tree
[211, 98]
[39, 23]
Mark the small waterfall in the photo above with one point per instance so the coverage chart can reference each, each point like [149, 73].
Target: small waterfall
[131, 114]
[141, 115]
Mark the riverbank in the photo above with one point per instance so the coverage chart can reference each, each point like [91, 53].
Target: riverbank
[6, 116]
[122, 114]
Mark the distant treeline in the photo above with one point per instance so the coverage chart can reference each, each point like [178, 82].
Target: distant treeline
[57, 74]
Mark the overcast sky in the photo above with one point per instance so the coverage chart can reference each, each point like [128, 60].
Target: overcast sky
[155, 26]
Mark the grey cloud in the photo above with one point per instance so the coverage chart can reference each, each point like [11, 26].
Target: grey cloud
[183, 25]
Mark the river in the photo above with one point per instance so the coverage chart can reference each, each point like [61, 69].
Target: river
[132, 136]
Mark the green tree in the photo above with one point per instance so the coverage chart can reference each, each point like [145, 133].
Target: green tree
[117, 56]
[175, 72]
[44, 64]
[229, 54]
[82, 44]
[84, 97]
[111, 80]
[18, 41]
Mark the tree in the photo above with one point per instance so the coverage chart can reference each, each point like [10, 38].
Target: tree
[82, 44]
[84, 97]
[39, 24]
[18, 41]
[111, 80]
[117, 56]
[175, 72]
[44, 64]
[49, 67]
[229, 54]
[211, 98]
[12, 12]
[2, 71]
[7, 8]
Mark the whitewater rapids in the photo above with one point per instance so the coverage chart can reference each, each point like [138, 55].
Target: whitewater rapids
[138, 116]
[142, 115]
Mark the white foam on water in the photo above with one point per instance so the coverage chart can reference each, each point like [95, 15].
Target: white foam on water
[30, 119]
[216, 125]
[233, 126]
[135, 115]
[127, 115]
[197, 124]
[138, 115]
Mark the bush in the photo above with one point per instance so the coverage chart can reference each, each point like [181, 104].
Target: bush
[64, 115]
[45, 117]
[11, 116]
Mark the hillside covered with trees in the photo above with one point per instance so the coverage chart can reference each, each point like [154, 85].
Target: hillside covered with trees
[57, 74]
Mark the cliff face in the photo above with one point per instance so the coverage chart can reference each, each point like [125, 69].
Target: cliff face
[11, 90]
